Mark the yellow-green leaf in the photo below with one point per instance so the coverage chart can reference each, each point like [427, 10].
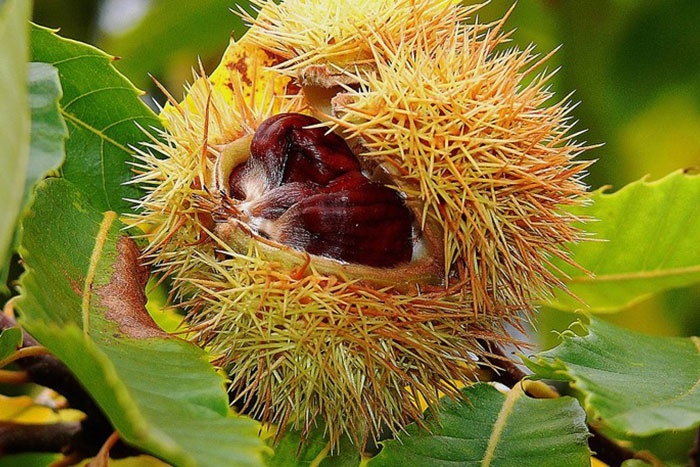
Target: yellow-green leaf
[646, 241]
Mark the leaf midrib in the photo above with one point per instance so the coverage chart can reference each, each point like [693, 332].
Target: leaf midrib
[107, 220]
[92, 129]
[651, 274]
[498, 427]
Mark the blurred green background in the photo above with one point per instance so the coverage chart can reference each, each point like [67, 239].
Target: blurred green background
[634, 64]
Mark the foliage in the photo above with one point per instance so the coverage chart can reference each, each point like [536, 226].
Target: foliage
[493, 429]
[10, 341]
[644, 242]
[97, 149]
[635, 384]
[82, 296]
[14, 114]
[316, 450]
[202, 32]
[49, 130]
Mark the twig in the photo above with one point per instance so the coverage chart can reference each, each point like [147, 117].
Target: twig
[102, 457]
[14, 377]
[46, 370]
[18, 437]
[608, 450]
[506, 371]
[24, 352]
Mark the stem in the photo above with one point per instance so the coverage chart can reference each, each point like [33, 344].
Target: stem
[608, 450]
[511, 373]
[102, 457]
[46, 370]
[505, 370]
[14, 377]
[24, 352]
[18, 438]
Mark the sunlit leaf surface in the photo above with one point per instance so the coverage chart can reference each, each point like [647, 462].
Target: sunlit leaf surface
[102, 110]
[645, 241]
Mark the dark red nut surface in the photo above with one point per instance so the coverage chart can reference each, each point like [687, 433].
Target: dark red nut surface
[289, 152]
[303, 187]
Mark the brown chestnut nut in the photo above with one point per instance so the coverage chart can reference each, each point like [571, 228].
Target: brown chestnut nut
[353, 220]
[286, 151]
[303, 187]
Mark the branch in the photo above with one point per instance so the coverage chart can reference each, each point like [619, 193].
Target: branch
[46, 370]
[18, 437]
[13, 377]
[102, 457]
[505, 370]
[24, 352]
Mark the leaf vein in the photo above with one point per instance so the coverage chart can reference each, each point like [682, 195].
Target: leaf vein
[128, 119]
[500, 424]
[107, 220]
[651, 274]
[78, 122]
[79, 57]
[95, 91]
[102, 172]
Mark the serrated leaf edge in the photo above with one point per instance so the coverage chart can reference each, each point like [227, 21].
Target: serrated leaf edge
[559, 368]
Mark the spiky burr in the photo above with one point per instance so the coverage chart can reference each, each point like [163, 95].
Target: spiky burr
[450, 162]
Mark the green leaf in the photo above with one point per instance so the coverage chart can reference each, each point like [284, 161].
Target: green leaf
[494, 430]
[10, 341]
[315, 450]
[29, 460]
[136, 461]
[168, 318]
[49, 130]
[14, 114]
[670, 447]
[649, 232]
[102, 110]
[638, 385]
[48, 134]
[83, 298]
